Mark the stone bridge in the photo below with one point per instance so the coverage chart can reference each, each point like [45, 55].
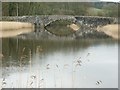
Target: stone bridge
[88, 23]
[96, 20]
[47, 19]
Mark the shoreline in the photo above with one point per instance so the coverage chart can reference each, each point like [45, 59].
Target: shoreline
[111, 29]
[12, 25]
[11, 29]
[26, 30]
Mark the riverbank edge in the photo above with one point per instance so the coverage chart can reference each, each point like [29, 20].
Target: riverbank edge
[81, 34]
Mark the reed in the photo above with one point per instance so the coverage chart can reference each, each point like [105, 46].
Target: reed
[111, 30]
[7, 25]
[15, 32]
[20, 67]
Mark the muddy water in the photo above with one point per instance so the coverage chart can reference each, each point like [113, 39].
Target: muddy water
[59, 64]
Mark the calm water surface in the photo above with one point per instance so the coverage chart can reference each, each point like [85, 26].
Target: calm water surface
[59, 64]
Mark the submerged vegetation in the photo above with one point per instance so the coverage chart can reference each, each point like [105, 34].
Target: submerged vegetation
[25, 65]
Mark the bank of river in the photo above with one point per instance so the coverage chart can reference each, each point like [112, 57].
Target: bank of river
[12, 29]
[85, 27]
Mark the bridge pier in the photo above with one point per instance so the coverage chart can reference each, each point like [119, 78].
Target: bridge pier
[39, 26]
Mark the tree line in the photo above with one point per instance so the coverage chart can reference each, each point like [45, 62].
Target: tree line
[60, 8]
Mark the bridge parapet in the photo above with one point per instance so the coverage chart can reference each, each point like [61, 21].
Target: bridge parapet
[96, 21]
[53, 18]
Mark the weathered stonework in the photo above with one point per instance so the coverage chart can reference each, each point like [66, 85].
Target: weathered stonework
[88, 25]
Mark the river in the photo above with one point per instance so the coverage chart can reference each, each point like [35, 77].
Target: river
[59, 63]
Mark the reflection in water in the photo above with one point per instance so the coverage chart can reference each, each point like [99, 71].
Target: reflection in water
[45, 63]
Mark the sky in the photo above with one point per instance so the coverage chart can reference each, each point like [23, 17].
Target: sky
[111, 0]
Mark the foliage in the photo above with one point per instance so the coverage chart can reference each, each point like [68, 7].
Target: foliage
[111, 9]
[59, 8]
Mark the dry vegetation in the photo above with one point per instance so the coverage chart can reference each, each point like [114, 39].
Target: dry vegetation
[6, 25]
[111, 30]
[10, 29]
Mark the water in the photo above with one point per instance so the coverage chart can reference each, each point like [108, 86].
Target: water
[59, 64]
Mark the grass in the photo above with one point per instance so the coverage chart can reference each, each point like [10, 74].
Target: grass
[95, 12]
